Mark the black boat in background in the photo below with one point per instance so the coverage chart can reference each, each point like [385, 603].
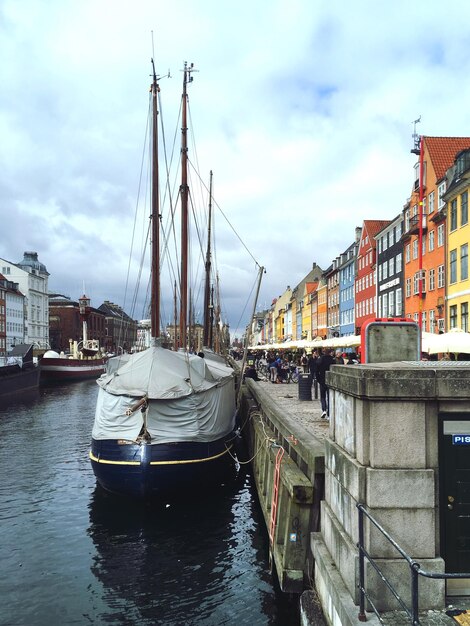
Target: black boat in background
[19, 373]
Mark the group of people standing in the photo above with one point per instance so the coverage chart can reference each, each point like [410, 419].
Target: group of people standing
[316, 364]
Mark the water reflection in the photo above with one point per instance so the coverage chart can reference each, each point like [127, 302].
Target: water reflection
[201, 561]
[72, 554]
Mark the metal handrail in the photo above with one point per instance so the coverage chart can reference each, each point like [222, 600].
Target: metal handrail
[415, 571]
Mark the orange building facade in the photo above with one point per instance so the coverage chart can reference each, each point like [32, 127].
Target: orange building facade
[438, 155]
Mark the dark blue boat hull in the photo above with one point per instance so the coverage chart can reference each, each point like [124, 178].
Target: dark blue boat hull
[146, 470]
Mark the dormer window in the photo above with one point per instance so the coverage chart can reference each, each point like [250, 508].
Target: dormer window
[462, 162]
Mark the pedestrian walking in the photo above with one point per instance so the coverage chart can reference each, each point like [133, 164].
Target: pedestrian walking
[323, 366]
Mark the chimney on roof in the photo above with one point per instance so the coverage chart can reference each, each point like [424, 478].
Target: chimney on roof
[358, 233]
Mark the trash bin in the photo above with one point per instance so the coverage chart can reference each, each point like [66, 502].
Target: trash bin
[305, 387]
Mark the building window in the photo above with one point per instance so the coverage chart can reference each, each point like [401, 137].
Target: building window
[464, 316]
[453, 214]
[398, 302]
[431, 320]
[398, 265]
[416, 283]
[453, 316]
[464, 262]
[415, 249]
[398, 232]
[408, 287]
[423, 321]
[431, 240]
[407, 253]
[385, 270]
[391, 304]
[440, 192]
[464, 208]
[453, 267]
[440, 277]
[407, 220]
[385, 304]
[431, 202]
[440, 235]
[432, 279]
[391, 263]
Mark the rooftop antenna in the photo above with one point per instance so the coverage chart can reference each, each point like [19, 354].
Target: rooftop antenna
[416, 138]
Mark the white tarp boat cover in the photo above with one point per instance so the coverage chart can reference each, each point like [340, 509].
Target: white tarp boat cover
[189, 398]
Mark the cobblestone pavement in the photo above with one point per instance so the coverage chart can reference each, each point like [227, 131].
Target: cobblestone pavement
[306, 412]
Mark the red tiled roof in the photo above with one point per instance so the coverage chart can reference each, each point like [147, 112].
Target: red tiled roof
[443, 150]
[373, 227]
[311, 287]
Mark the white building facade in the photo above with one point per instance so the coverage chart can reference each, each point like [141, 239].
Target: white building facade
[32, 278]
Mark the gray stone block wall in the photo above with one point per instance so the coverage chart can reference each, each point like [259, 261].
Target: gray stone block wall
[382, 451]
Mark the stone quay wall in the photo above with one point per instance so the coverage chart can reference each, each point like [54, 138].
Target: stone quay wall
[382, 451]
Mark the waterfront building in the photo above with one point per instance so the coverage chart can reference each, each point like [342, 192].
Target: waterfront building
[196, 335]
[332, 299]
[287, 334]
[3, 336]
[269, 325]
[301, 314]
[66, 325]
[120, 328]
[12, 315]
[313, 305]
[365, 281]
[438, 156]
[257, 330]
[390, 269]
[458, 237]
[282, 307]
[322, 307]
[32, 278]
[144, 332]
[309, 289]
[347, 272]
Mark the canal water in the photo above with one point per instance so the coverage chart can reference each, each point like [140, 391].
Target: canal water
[72, 554]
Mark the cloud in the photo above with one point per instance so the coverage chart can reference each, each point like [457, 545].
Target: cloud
[302, 110]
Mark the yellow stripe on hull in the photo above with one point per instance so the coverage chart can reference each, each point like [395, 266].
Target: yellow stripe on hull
[97, 460]
[182, 462]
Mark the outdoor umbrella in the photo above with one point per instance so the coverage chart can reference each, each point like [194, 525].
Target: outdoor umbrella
[456, 340]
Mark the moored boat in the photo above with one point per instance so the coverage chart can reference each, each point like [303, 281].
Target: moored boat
[19, 373]
[85, 358]
[165, 419]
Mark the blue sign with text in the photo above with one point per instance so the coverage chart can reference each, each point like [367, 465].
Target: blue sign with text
[461, 440]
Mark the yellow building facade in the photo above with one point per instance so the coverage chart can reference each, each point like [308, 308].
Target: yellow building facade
[458, 238]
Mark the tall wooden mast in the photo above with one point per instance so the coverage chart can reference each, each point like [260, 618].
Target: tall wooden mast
[155, 295]
[184, 191]
[207, 318]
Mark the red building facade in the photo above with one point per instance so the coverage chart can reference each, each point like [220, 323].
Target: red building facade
[365, 281]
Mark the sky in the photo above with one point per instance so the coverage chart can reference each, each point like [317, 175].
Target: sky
[303, 109]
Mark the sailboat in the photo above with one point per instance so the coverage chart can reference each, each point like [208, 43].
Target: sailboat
[165, 418]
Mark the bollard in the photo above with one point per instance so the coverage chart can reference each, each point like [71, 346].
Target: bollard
[305, 387]
[315, 388]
